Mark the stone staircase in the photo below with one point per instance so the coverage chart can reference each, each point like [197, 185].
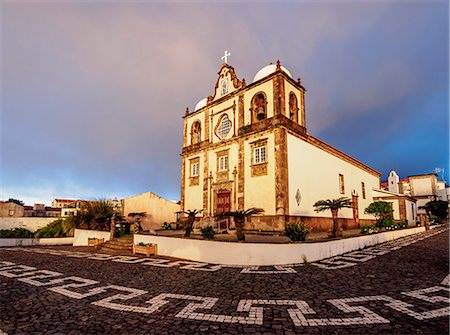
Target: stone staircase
[118, 245]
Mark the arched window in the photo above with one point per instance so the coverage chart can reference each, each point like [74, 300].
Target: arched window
[196, 133]
[259, 107]
[293, 107]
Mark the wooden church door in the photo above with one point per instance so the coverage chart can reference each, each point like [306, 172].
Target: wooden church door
[223, 205]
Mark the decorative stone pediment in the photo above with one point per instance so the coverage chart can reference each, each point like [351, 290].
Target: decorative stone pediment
[226, 83]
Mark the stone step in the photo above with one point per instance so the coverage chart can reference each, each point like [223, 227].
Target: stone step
[114, 246]
[119, 243]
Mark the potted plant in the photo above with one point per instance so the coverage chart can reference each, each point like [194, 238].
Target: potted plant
[145, 248]
[239, 219]
[94, 241]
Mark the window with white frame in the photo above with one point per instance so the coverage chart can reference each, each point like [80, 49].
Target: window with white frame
[194, 169]
[223, 163]
[259, 155]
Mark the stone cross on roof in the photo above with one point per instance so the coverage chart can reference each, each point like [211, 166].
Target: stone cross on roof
[225, 56]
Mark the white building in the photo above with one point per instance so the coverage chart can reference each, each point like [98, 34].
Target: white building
[248, 146]
[422, 187]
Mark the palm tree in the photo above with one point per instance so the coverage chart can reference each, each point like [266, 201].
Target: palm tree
[137, 217]
[190, 222]
[334, 206]
[97, 214]
[239, 219]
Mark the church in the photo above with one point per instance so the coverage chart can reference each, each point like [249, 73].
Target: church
[247, 145]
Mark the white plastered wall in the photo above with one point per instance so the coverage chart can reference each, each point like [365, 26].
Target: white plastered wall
[422, 186]
[395, 207]
[410, 213]
[193, 194]
[315, 173]
[260, 190]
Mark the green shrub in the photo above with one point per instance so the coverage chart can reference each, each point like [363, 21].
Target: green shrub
[380, 210]
[142, 244]
[296, 231]
[166, 226]
[16, 233]
[385, 222]
[396, 225]
[402, 224]
[369, 229]
[53, 229]
[207, 232]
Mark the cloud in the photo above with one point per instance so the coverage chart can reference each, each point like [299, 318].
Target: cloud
[93, 93]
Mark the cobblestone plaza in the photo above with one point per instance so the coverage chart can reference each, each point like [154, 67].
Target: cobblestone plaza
[397, 287]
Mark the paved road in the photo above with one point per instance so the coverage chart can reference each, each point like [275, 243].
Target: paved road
[400, 287]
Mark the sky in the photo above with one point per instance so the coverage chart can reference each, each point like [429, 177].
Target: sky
[93, 92]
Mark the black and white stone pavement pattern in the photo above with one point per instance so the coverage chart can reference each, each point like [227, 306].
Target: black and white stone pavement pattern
[337, 262]
[399, 287]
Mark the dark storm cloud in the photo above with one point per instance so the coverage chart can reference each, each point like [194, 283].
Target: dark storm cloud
[93, 93]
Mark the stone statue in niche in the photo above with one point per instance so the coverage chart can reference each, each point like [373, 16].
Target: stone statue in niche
[293, 107]
[196, 133]
[224, 86]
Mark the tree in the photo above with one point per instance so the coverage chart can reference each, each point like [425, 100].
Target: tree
[334, 206]
[381, 210]
[239, 219]
[19, 202]
[137, 217]
[190, 222]
[437, 210]
[96, 215]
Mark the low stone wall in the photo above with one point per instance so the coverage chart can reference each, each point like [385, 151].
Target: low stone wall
[276, 223]
[81, 236]
[27, 242]
[233, 253]
[30, 223]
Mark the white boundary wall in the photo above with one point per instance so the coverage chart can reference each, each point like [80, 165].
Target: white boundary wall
[232, 253]
[30, 223]
[81, 236]
[26, 242]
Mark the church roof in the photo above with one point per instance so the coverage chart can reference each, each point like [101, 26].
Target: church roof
[267, 70]
[202, 103]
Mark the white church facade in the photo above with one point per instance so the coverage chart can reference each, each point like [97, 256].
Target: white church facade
[247, 145]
